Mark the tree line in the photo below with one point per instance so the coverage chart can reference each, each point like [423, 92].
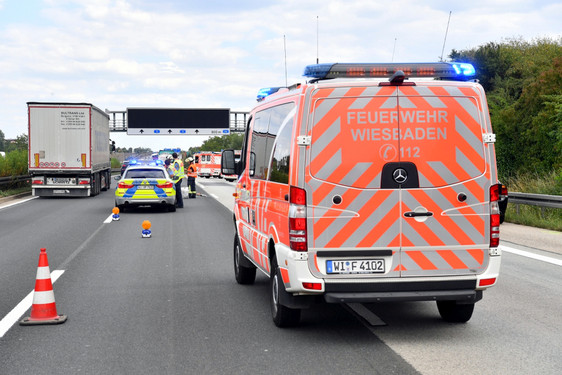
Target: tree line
[523, 83]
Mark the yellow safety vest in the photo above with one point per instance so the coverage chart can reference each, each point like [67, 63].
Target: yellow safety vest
[178, 170]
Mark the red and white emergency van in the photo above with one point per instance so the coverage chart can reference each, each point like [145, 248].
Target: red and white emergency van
[370, 183]
[208, 164]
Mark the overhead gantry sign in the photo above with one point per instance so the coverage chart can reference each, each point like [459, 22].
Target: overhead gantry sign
[178, 121]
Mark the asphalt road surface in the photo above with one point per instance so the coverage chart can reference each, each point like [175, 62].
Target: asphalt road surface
[169, 304]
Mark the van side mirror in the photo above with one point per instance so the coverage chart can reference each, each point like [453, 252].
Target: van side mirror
[228, 163]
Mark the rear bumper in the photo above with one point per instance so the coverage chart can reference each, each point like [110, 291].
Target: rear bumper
[140, 202]
[61, 191]
[466, 296]
[457, 290]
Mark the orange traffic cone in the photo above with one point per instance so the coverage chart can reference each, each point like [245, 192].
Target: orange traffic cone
[44, 309]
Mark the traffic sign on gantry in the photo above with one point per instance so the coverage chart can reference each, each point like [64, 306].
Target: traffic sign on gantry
[178, 121]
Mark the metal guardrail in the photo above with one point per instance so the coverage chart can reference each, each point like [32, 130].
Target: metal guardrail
[541, 200]
[13, 179]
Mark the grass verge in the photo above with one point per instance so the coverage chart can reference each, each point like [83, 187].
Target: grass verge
[540, 217]
[9, 192]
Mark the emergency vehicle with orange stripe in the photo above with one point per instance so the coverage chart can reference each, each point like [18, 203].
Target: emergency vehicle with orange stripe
[369, 183]
[208, 164]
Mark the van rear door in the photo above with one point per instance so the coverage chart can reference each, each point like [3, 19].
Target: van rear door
[354, 133]
[398, 169]
[444, 220]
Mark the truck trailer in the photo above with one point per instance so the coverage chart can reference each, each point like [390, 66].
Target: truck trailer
[68, 149]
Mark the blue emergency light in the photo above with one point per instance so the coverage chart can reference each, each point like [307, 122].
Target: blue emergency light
[266, 91]
[455, 71]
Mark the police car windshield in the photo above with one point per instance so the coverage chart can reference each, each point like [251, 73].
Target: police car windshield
[145, 173]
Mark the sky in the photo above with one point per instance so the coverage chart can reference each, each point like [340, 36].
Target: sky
[218, 54]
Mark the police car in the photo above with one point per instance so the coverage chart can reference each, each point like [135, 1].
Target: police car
[145, 185]
[369, 183]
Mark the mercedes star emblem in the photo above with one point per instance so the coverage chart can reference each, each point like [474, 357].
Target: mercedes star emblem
[400, 175]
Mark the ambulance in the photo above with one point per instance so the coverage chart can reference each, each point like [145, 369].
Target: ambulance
[208, 164]
[369, 183]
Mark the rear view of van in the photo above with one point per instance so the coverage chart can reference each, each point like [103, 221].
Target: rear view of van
[369, 183]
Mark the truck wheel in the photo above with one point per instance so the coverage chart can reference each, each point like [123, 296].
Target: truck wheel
[95, 185]
[243, 275]
[104, 181]
[282, 315]
[454, 312]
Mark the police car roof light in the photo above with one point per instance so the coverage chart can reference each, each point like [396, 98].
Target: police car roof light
[384, 70]
[266, 91]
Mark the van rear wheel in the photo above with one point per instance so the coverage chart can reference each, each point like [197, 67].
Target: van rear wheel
[283, 316]
[454, 312]
[243, 275]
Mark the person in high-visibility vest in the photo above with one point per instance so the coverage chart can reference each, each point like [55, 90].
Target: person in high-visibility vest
[179, 174]
[191, 176]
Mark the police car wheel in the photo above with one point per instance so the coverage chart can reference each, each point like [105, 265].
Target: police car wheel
[243, 275]
[282, 315]
[454, 312]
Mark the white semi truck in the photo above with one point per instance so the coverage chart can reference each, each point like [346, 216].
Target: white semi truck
[68, 149]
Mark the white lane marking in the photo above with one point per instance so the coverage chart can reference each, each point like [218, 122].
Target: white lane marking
[13, 316]
[18, 202]
[109, 219]
[527, 254]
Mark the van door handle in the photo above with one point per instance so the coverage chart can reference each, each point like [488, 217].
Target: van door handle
[414, 214]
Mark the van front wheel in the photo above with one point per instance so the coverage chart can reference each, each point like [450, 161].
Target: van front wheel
[454, 312]
[282, 315]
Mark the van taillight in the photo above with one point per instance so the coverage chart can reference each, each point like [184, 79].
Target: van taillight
[297, 219]
[495, 191]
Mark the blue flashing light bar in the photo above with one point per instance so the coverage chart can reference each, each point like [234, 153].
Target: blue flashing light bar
[456, 71]
[183, 131]
[266, 91]
[157, 131]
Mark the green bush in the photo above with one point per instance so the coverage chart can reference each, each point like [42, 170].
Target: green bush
[14, 164]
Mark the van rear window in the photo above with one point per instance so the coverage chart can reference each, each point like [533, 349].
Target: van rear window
[356, 133]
